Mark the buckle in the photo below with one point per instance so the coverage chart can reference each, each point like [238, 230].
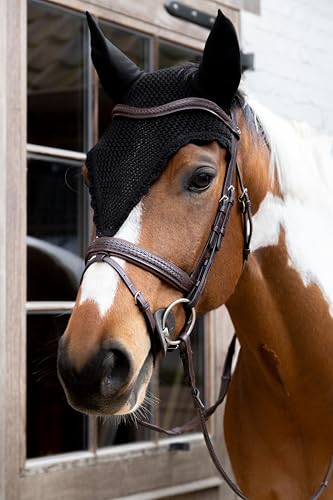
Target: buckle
[244, 200]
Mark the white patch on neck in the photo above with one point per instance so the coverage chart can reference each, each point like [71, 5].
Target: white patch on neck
[303, 163]
[100, 281]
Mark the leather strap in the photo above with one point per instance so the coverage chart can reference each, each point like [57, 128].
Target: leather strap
[139, 299]
[185, 104]
[186, 354]
[325, 482]
[215, 240]
[245, 202]
[148, 261]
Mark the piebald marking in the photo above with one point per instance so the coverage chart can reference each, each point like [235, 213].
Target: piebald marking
[302, 160]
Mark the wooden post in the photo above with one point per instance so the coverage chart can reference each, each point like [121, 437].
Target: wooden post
[12, 243]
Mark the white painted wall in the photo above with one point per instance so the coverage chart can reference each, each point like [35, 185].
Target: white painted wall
[293, 45]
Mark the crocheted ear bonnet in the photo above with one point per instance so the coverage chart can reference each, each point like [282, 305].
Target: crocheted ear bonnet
[132, 153]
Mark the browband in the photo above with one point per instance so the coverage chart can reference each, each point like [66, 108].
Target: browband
[185, 104]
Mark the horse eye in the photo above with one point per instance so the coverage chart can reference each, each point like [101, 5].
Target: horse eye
[201, 180]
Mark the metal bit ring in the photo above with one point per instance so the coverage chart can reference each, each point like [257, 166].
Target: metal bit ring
[165, 316]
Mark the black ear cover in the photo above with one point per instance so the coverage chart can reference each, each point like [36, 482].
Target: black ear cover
[115, 70]
[219, 72]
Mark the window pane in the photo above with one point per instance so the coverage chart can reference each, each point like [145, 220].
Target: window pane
[111, 432]
[52, 426]
[55, 201]
[53, 273]
[55, 76]
[136, 47]
[170, 54]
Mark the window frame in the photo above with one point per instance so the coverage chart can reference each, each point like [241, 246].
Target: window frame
[88, 473]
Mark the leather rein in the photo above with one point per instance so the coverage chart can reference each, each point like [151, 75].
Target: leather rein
[161, 323]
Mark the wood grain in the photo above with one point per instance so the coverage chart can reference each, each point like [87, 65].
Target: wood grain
[3, 268]
[150, 17]
[12, 244]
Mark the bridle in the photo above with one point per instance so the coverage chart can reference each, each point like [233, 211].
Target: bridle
[104, 248]
[161, 324]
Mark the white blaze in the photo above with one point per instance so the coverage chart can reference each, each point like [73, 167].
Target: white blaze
[302, 160]
[100, 281]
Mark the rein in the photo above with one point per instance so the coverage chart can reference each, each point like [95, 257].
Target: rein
[161, 323]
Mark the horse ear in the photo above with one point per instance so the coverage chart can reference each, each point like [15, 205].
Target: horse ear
[219, 72]
[115, 70]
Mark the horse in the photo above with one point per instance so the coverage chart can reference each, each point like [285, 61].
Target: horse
[171, 181]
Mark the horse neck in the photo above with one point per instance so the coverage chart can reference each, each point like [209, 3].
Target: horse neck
[282, 307]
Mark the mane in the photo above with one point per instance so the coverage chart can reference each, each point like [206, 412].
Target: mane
[301, 160]
[299, 154]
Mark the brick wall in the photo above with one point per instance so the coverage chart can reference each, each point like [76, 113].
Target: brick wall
[293, 45]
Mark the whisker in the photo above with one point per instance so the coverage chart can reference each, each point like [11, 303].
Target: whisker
[152, 399]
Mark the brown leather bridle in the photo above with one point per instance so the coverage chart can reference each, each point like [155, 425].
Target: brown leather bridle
[160, 324]
[190, 285]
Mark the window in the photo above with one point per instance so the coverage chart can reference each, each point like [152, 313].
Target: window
[60, 94]
[58, 131]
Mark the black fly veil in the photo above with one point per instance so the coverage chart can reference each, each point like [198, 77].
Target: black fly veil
[131, 154]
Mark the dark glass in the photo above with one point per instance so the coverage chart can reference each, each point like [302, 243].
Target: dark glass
[170, 55]
[52, 425]
[55, 202]
[56, 76]
[111, 432]
[136, 47]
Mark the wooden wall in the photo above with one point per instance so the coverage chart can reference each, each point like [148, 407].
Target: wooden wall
[151, 17]
[12, 242]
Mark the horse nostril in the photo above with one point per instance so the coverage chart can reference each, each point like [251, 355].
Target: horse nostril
[116, 372]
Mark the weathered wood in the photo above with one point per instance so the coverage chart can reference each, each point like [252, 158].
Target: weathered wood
[12, 244]
[205, 489]
[3, 269]
[233, 4]
[149, 468]
[151, 17]
[251, 5]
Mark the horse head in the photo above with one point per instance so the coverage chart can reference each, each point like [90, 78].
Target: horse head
[158, 179]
